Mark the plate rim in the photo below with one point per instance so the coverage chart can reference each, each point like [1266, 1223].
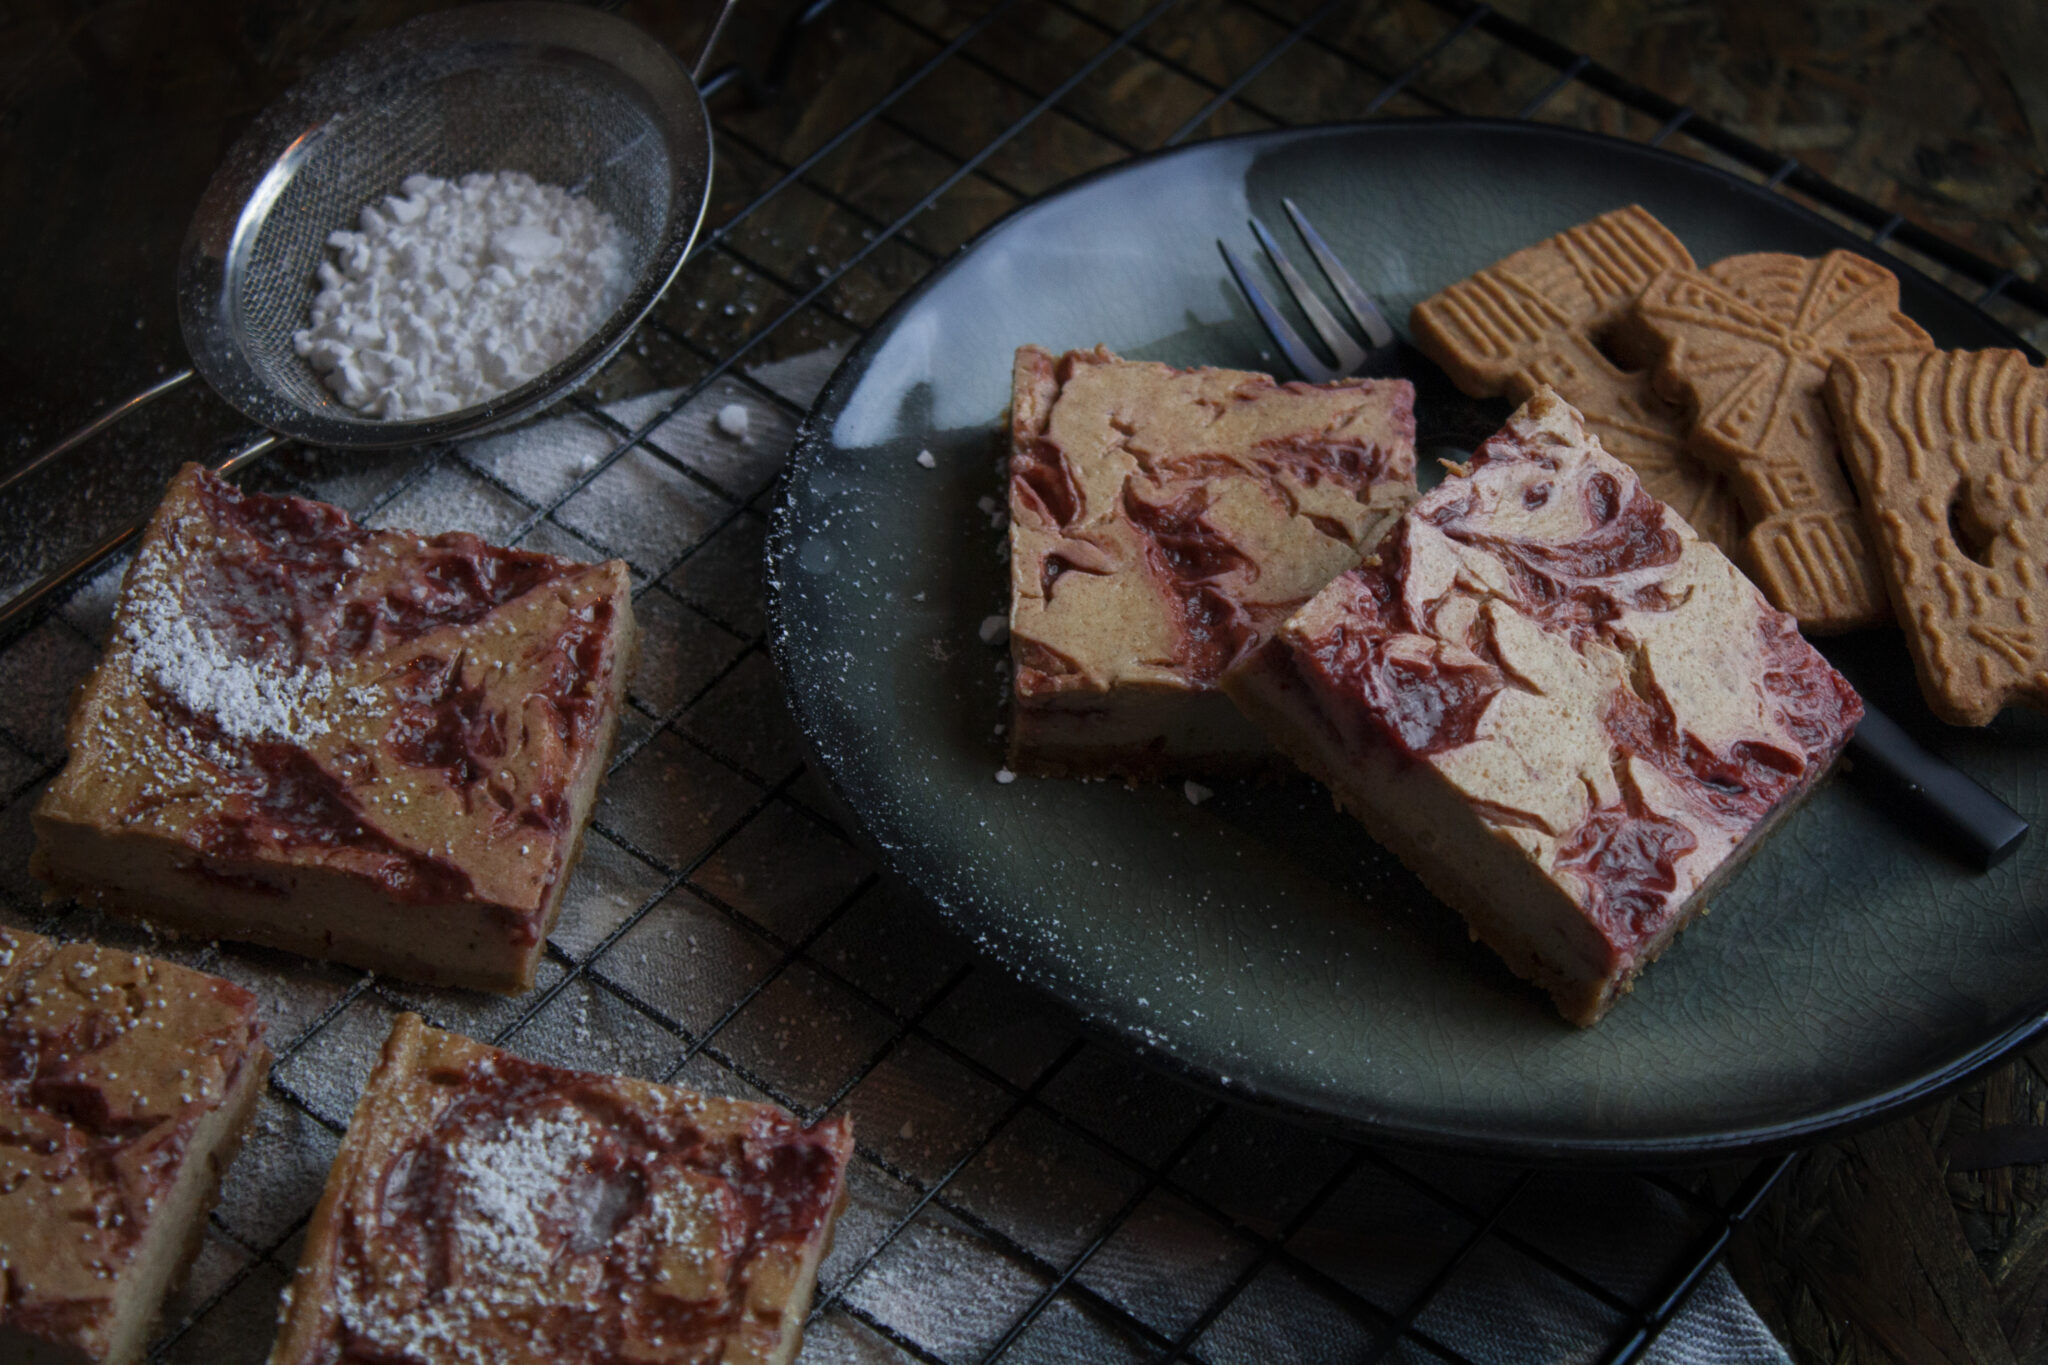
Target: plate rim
[1755, 1139]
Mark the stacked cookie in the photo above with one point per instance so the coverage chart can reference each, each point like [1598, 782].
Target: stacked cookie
[1800, 421]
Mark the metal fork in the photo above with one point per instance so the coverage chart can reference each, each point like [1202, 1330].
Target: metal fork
[1457, 421]
[1376, 355]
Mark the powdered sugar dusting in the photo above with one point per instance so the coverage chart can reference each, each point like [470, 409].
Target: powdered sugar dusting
[249, 696]
[509, 1177]
[687, 1218]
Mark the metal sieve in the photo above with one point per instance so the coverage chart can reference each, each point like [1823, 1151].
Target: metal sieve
[571, 96]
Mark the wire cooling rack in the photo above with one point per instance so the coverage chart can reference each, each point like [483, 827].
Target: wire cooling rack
[1022, 1192]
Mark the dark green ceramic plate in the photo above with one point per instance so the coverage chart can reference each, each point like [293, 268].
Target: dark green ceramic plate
[1261, 943]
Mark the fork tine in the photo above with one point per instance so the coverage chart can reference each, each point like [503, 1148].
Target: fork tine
[1357, 300]
[1347, 353]
[1305, 362]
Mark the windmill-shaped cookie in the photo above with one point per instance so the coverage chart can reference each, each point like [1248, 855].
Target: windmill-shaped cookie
[1950, 452]
[1746, 347]
[1542, 316]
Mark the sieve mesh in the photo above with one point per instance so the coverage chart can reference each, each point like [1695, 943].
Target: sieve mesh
[561, 120]
[571, 96]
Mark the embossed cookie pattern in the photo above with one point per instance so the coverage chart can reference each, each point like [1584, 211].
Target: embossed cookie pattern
[1540, 317]
[1950, 452]
[1746, 347]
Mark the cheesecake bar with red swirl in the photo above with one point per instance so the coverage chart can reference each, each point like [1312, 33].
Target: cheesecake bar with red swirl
[1162, 522]
[488, 1208]
[125, 1085]
[1565, 712]
[370, 746]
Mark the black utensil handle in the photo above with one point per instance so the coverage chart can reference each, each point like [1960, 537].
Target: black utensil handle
[1980, 826]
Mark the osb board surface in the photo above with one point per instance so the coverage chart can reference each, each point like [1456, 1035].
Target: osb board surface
[1924, 1240]
[1937, 111]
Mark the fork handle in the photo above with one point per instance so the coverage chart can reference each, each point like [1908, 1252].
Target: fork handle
[1980, 827]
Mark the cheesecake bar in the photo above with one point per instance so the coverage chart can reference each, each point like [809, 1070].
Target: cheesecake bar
[1565, 712]
[488, 1208]
[125, 1084]
[1162, 523]
[369, 746]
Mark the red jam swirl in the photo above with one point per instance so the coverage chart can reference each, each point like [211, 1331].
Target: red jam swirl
[1041, 669]
[446, 724]
[1042, 479]
[1626, 856]
[300, 578]
[577, 660]
[57, 1112]
[1420, 705]
[276, 569]
[443, 723]
[1569, 585]
[276, 798]
[772, 1184]
[1626, 860]
[1814, 703]
[1354, 466]
[298, 583]
[1186, 556]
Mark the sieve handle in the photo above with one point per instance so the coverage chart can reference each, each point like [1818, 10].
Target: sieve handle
[717, 27]
[16, 611]
[95, 427]
[1937, 796]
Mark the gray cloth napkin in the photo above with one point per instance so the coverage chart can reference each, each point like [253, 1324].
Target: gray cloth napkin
[1718, 1327]
[1624, 1233]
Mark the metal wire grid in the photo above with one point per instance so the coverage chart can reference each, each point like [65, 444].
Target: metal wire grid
[1190, 1230]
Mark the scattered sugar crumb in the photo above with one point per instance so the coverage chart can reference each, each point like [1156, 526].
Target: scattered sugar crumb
[1195, 792]
[924, 457]
[994, 629]
[733, 420]
[1005, 776]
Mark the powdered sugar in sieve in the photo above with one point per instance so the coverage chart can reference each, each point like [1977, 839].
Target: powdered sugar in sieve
[455, 291]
